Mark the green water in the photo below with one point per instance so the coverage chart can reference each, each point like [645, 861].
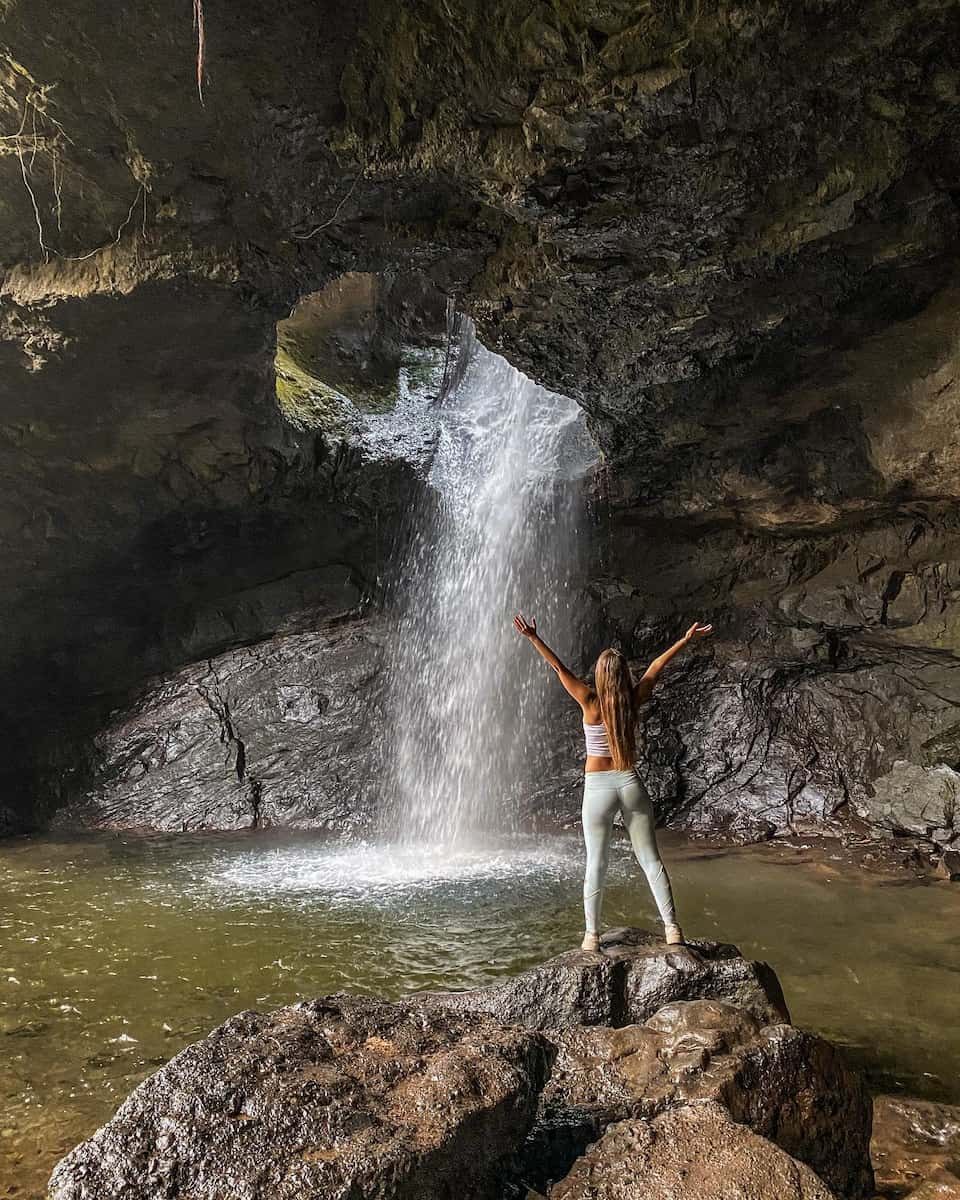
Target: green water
[117, 951]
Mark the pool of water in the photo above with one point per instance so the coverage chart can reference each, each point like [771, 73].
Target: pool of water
[117, 951]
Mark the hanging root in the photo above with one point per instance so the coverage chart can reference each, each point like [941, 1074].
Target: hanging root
[44, 248]
[34, 104]
[116, 241]
[57, 187]
[303, 237]
[201, 44]
[46, 137]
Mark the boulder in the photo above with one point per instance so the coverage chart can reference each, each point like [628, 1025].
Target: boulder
[696, 1151]
[788, 1085]
[949, 865]
[652, 975]
[632, 976]
[576, 988]
[332, 1098]
[346, 1097]
[916, 799]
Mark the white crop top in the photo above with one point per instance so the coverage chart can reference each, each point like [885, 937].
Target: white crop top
[598, 743]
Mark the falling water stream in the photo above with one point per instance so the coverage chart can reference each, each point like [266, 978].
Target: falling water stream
[470, 703]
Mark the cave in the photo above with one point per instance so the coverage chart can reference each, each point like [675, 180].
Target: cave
[758, 325]
[253, 265]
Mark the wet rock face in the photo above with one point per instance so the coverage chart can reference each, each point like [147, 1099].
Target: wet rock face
[274, 734]
[327, 1098]
[697, 1152]
[757, 748]
[167, 512]
[633, 977]
[827, 692]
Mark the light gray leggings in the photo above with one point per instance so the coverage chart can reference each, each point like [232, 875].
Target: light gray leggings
[604, 792]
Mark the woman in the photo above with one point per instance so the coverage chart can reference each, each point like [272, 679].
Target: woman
[610, 779]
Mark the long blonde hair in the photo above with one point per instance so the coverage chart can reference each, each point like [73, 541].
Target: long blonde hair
[618, 707]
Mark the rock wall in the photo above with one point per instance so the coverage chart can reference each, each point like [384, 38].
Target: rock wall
[831, 688]
[276, 733]
[729, 231]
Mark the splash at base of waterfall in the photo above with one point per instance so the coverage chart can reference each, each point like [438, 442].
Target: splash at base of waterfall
[383, 873]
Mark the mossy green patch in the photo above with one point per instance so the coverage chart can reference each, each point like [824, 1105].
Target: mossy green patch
[306, 402]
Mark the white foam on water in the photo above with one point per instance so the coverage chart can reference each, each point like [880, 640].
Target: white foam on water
[368, 871]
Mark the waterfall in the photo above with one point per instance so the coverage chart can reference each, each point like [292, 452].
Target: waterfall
[467, 726]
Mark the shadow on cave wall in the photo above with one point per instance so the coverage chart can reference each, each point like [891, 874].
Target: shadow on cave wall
[173, 497]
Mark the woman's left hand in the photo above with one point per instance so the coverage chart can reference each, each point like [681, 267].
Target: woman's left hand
[697, 630]
[527, 628]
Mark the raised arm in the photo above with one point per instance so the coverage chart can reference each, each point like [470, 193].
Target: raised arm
[645, 684]
[576, 687]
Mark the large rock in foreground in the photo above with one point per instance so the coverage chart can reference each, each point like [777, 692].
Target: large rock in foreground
[784, 1083]
[357, 1099]
[328, 1099]
[696, 1152]
[634, 977]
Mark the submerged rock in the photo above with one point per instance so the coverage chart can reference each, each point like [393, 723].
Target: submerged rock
[916, 1148]
[696, 1152]
[635, 975]
[324, 1100]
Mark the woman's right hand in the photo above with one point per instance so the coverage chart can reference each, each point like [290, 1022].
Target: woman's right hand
[526, 628]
